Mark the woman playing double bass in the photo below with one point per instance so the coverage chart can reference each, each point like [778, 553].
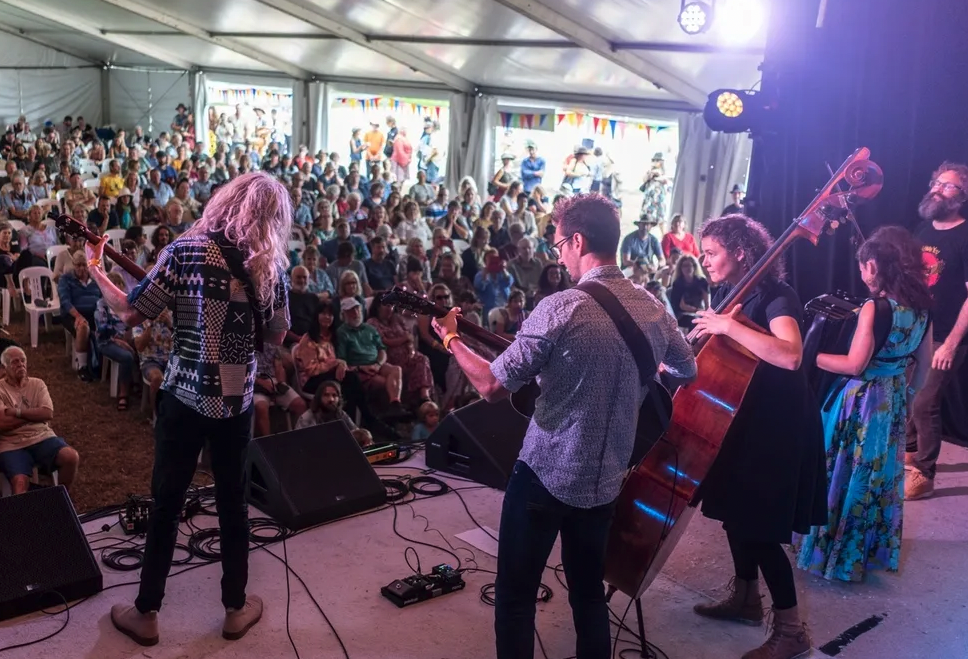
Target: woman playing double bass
[768, 481]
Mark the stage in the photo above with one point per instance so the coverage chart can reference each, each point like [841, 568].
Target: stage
[345, 563]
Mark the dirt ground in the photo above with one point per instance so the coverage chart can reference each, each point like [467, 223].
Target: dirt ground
[116, 448]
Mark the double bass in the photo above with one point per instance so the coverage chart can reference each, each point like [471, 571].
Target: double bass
[655, 504]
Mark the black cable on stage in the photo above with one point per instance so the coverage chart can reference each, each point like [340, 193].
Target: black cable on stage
[67, 609]
[396, 489]
[428, 486]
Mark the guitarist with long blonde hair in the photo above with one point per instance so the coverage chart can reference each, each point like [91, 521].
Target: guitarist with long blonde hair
[225, 283]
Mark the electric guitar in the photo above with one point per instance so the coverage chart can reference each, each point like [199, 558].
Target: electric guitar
[651, 423]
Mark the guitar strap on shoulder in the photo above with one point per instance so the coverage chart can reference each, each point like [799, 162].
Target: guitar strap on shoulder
[635, 338]
[234, 260]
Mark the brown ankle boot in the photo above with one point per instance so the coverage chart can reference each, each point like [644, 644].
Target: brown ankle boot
[741, 605]
[789, 639]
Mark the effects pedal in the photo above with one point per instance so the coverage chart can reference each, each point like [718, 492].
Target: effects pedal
[443, 579]
[133, 520]
[377, 453]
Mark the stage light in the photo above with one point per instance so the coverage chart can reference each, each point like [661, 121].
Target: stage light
[729, 104]
[734, 111]
[739, 21]
[695, 17]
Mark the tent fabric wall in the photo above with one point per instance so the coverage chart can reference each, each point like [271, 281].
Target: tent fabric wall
[50, 94]
[479, 154]
[709, 163]
[198, 104]
[300, 114]
[461, 118]
[147, 98]
[317, 122]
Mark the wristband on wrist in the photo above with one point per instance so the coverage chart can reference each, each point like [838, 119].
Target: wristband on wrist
[449, 339]
[94, 263]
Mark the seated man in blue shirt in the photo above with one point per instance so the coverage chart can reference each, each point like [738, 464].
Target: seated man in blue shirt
[328, 248]
[591, 393]
[641, 249]
[79, 295]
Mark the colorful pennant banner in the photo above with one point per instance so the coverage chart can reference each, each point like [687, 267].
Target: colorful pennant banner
[604, 125]
[389, 103]
[530, 121]
[249, 96]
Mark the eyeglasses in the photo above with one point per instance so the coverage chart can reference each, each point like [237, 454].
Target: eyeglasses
[945, 186]
[555, 249]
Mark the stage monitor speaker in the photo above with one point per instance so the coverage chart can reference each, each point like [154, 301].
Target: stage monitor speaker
[44, 555]
[312, 475]
[480, 441]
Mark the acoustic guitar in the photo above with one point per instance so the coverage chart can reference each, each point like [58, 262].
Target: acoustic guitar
[72, 227]
[651, 423]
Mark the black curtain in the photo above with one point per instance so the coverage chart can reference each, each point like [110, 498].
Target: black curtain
[884, 74]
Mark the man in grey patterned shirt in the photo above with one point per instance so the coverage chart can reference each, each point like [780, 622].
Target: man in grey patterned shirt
[580, 439]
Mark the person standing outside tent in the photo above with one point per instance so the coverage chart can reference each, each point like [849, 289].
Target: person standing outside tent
[374, 141]
[532, 168]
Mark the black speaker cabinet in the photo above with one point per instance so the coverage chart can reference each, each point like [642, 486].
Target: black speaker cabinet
[44, 555]
[309, 476]
[480, 441]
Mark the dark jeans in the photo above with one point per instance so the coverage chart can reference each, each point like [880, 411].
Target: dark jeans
[924, 421]
[180, 433]
[530, 521]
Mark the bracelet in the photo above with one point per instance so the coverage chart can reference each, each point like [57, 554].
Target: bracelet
[94, 263]
[449, 339]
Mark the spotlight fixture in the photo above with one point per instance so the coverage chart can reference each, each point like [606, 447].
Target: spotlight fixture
[695, 17]
[735, 111]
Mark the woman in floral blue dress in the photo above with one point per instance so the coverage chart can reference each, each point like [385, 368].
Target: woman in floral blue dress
[864, 416]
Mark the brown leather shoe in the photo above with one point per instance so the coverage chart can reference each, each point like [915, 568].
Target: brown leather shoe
[917, 486]
[142, 628]
[743, 604]
[789, 639]
[240, 621]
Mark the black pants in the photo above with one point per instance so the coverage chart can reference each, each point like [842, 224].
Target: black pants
[751, 557]
[924, 430]
[531, 520]
[180, 433]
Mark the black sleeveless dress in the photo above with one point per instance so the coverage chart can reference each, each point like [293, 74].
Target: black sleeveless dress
[769, 480]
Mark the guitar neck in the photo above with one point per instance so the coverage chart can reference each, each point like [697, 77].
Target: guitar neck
[129, 266]
[482, 336]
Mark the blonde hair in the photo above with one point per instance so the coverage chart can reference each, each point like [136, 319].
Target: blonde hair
[345, 277]
[117, 280]
[426, 408]
[254, 211]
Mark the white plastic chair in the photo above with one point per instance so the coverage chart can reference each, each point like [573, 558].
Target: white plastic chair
[105, 166]
[6, 490]
[92, 184]
[149, 230]
[60, 195]
[108, 365]
[298, 246]
[16, 225]
[460, 245]
[52, 253]
[116, 236]
[492, 317]
[47, 205]
[34, 277]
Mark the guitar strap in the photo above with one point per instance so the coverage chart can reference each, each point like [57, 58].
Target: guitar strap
[234, 260]
[634, 337]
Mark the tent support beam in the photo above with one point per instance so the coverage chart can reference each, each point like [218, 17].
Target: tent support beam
[323, 20]
[602, 46]
[186, 28]
[76, 23]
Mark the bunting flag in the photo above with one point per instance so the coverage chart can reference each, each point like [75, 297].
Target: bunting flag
[528, 121]
[249, 96]
[596, 121]
[377, 103]
[605, 125]
[611, 124]
[561, 117]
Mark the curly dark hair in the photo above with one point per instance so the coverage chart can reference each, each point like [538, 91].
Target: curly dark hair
[900, 269]
[745, 239]
[592, 215]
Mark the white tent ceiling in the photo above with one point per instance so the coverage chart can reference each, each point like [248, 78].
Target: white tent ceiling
[630, 49]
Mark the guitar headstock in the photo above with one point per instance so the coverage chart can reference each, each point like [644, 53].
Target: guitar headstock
[401, 299]
[72, 227]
